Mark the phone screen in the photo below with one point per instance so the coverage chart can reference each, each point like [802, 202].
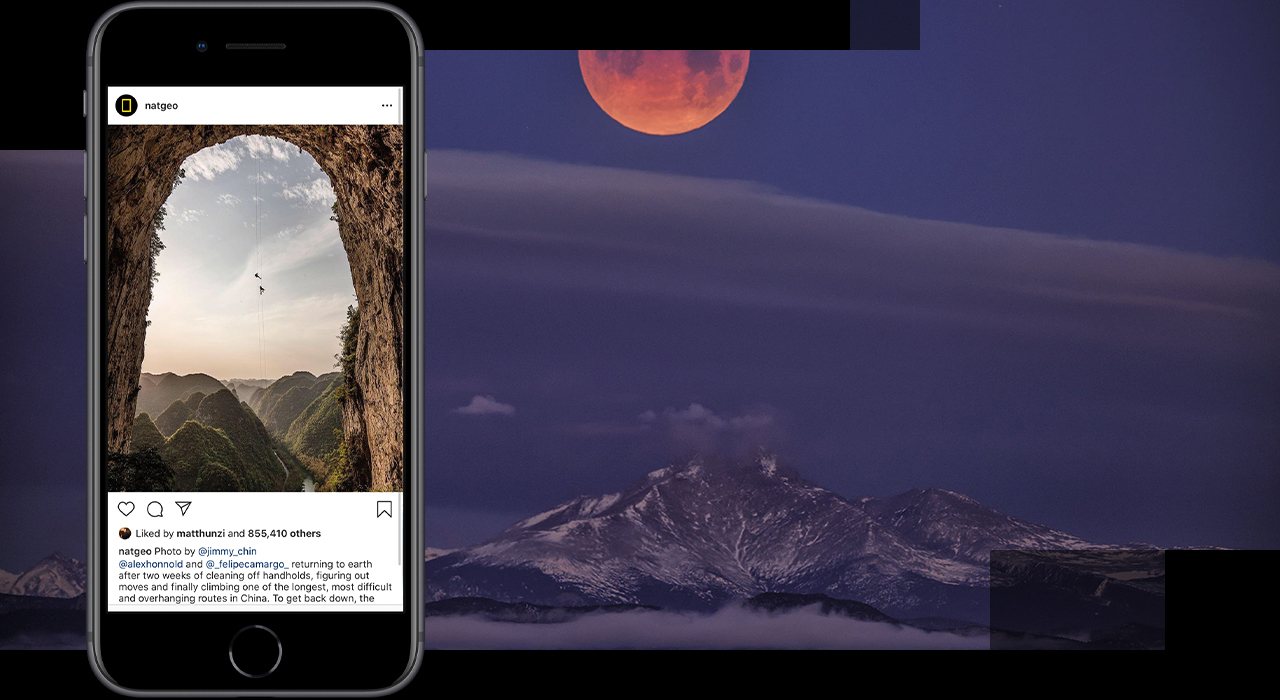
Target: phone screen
[253, 355]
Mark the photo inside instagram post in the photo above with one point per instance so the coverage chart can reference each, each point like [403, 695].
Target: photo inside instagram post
[255, 309]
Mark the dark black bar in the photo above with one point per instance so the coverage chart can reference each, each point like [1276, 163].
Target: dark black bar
[1218, 599]
[53, 39]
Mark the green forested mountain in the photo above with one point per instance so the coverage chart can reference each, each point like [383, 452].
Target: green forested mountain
[272, 393]
[173, 417]
[158, 391]
[315, 433]
[193, 401]
[178, 412]
[215, 477]
[145, 434]
[214, 440]
[280, 404]
[255, 383]
[244, 392]
[195, 449]
[140, 470]
[285, 410]
[262, 470]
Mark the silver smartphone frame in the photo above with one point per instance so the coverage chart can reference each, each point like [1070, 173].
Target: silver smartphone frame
[93, 228]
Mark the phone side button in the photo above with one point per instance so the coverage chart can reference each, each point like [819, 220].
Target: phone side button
[255, 651]
[85, 230]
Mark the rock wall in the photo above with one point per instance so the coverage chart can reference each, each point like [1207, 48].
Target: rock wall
[365, 165]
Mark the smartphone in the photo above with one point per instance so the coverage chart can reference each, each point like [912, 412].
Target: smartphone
[254, 180]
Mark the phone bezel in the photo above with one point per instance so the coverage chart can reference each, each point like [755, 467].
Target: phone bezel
[346, 43]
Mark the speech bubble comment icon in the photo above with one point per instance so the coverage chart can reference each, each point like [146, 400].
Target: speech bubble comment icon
[126, 507]
[155, 510]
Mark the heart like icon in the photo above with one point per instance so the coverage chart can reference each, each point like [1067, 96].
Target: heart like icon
[125, 507]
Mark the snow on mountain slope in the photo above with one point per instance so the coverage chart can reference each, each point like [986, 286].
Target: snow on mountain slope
[958, 527]
[54, 576]
[433, 552]
[698, 534]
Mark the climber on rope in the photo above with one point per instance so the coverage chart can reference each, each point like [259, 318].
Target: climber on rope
[261, 291]
[257, 275]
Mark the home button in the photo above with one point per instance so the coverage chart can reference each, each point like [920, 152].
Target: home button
[255, 651]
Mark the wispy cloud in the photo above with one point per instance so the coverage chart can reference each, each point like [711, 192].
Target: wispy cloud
[699, 415]
[486, 406]
[186, 216]
[317, 191]
[257, 146]
[699, 428]
[227, 200]
[729, 242]
[210, 162]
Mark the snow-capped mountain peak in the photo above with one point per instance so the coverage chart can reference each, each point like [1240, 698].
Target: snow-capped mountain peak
[705, 530]
[55, 576]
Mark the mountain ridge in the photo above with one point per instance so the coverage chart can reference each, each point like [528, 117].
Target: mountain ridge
[701, 532]
[55, 576]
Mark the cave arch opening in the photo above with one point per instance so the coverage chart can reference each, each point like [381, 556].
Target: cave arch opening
[364, 165]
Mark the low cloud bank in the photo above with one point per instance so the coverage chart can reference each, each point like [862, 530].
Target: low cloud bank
[730, 628]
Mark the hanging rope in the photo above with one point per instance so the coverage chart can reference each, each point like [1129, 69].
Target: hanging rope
[257, 251]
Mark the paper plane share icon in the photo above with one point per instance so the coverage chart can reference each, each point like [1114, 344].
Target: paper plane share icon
[183, 506]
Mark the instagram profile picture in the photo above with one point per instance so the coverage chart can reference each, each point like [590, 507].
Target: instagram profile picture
[126, 105]
[125, 533]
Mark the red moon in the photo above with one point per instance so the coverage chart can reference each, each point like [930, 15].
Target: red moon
[663, 92]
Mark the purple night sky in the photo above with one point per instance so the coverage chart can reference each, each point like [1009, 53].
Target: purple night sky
[1034, 262]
